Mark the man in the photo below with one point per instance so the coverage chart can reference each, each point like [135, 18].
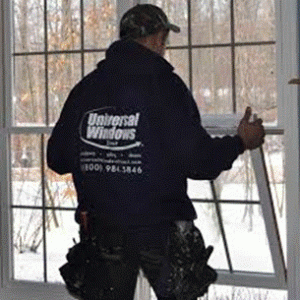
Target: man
[130, 134]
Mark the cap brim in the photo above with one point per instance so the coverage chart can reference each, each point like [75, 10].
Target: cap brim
[174, 28]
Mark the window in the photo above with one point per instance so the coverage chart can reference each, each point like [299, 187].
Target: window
[227, 53]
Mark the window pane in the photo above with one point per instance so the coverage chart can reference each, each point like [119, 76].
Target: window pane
[60, 236]
[199, 189]
[212, 86]
[254, 20]
[28, 244]
[247, 238]
[26, 168]
[60, 191]
[91, 60]
[28, 25]
[177, 13]
[64, 73]
[101, 27]
[256, 81]
[208, 224]
[210, 22]
[180, 61]
[219, 292]
[28, 103]
[239, 183]
[63, 24]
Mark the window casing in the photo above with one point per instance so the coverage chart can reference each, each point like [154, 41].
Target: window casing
[35, 128]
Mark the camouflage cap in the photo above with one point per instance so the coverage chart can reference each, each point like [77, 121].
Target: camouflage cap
[143, 20]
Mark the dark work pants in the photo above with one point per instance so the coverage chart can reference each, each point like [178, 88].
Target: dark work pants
[144, 247]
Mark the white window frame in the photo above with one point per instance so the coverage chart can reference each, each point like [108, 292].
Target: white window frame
[288, 67]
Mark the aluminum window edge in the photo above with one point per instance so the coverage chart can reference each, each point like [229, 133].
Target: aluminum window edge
[1, 135]
[7, 60]
[269, 214]
[251, 280]
[5, 234]
[290, 15]
[2, 65]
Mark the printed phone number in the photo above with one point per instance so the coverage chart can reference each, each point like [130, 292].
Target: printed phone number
[112, 168]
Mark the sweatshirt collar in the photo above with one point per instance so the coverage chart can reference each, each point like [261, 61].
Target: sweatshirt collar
[131, 57]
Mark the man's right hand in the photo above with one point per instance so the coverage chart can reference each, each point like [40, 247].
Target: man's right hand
[251, 133]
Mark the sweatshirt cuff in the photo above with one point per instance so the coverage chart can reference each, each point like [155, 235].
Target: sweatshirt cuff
[240, 144]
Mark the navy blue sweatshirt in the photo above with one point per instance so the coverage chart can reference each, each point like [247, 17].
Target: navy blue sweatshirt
[130, 133]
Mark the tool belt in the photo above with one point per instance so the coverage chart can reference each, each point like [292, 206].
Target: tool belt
[86, 272]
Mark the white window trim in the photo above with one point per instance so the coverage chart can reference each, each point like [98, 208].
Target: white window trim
[288, 67]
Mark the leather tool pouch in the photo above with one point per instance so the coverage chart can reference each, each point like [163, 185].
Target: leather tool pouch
[86, 273]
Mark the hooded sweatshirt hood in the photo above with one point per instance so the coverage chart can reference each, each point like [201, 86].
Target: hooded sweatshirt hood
[128, 56]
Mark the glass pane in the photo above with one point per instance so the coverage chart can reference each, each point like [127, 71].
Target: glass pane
[210, 22]
[101, 27]
[239, 183]
[28, 105]
[219, 292]
[60, 234]
[247, 238]
[64, 73]
[63, 24]
[274, 158]
[254, 20]
[28, 25]
[60, 191]
[212, 86]
[177, 13]
[26, 168]
[199, 189]
[91, 60]
[256, 81]
[28, 244]
[180, 61]
[208, 224]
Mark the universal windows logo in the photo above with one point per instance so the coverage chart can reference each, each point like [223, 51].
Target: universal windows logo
[110, 128]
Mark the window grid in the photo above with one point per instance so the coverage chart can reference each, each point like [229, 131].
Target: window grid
[233, 45]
